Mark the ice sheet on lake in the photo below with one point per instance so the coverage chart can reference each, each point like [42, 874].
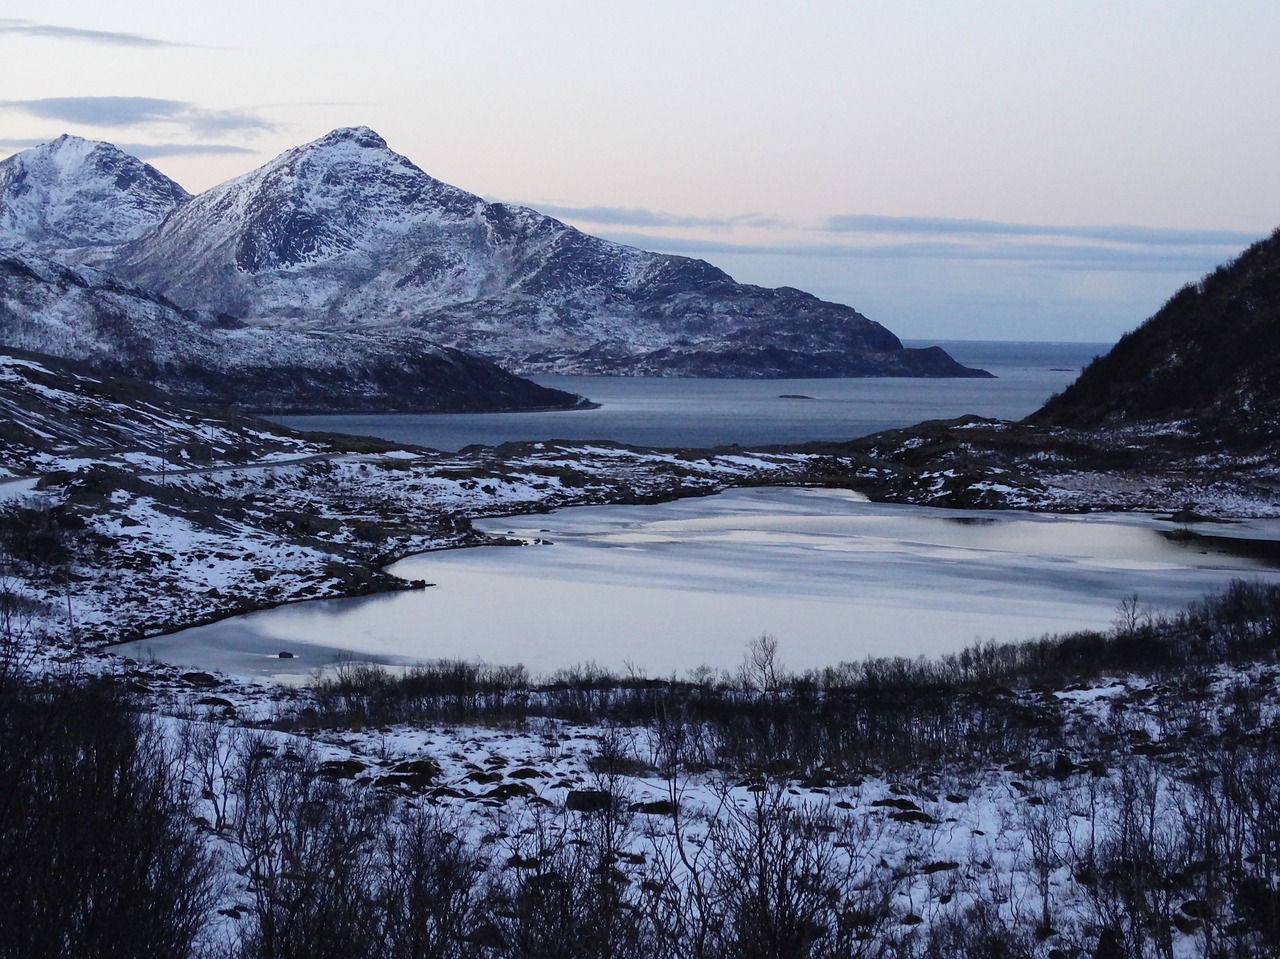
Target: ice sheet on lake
[674, 586]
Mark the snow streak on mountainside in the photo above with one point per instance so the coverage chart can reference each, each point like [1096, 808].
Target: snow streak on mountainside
[57, 414]
[81, 195]
[85, 314]
[343, 233]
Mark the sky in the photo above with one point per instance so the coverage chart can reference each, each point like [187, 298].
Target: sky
[953, 169]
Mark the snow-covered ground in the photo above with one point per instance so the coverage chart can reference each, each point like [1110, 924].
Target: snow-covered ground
[218, 518]
[1009, 835]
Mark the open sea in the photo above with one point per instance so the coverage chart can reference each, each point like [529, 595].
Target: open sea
[692, 413]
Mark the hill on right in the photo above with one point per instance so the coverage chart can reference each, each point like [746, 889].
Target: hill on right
[1211, 355]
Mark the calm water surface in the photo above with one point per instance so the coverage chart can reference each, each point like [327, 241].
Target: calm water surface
[671, 587]
[651, 411]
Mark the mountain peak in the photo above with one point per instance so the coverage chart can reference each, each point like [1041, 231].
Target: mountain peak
[360, 136]
[343, 199]
[64, 157]
[69, 141]
[73, 193]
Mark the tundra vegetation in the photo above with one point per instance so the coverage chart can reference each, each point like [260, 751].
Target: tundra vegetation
[1135, 775]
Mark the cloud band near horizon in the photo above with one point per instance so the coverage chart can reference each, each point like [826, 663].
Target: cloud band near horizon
[108, 111]
[911, 226]
[29, 28]
[1116, 233]
[1072, 257]
[1081, 248]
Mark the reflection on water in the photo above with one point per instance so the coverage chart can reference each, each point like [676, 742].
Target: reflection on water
[1265, 551]
[670, 587]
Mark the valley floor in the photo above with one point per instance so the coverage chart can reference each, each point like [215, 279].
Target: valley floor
[1004, 813]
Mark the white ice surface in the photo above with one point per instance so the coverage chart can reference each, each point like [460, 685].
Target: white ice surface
[679, 585]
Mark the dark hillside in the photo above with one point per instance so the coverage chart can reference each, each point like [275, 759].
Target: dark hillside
[1211, 353]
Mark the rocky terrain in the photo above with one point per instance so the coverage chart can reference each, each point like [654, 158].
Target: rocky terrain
[1183, 414]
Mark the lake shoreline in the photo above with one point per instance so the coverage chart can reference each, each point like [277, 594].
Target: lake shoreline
[800, 563]
[201, 545]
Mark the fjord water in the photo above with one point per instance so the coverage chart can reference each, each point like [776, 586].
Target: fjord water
[671, 412]
[671, 587]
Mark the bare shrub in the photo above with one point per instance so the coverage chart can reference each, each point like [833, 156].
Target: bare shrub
[97, 857]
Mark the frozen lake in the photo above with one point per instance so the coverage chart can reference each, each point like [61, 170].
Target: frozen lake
[671, 587]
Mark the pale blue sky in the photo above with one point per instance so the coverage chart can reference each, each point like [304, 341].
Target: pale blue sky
[953, 169]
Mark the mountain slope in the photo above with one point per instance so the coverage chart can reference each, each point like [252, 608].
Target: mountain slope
[54, 409]
[1211, 353]
[81, 195]
[85, 314]
[343, 233]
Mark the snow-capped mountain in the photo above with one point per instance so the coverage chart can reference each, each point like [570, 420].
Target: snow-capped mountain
[68, 208]
[81, 197]
[329, 278]
[81, 313]
[343, 233]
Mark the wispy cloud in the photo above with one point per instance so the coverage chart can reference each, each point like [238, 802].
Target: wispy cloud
[107, 37]
[639, 217]
[1091, 248]
[148, 151]
[213, 122]
[140, 111]
[1080, 247]
[946, 226]
[100, 111]
[1080, 257]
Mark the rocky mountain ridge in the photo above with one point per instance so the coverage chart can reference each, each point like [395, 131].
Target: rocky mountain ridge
[85, 314]
[344, 234]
